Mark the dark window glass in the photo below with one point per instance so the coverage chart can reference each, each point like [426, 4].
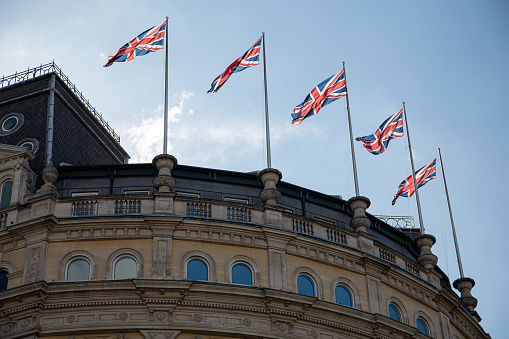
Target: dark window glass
[242, 274]
[394, 313]
[305, 285]
[5, 199]
[126, 268]
[3, 280]
[78, 269]
[197, 269]
[343, 296]
[28, 145]
[9, 123]
[421, 326]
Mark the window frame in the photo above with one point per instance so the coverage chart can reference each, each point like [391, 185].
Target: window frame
[427, 321]
[117, 255]
[2, 187]
[197, 254]
[356, 296]
[315, 278]
[66, 260]
[74, 259]
[20, 119]
[399, 306]
[249, 262]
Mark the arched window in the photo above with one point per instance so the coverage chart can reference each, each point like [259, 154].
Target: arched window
[242, 274]
[5, 198]
[78, 269]
[394, 312]
[421, 326]
[343, 296]
[3, 280]
[305, 285]
[126, 267]
[197, 269]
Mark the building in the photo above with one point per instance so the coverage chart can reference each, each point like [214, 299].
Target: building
[106, 249]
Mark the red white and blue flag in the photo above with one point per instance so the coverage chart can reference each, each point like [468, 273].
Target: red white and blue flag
[422, 176]
[248, 59]
[149, 41]
[326, 92]
[391, 128]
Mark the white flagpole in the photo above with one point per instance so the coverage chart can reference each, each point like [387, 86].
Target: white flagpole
[351, 138]
[458, 256]
[413, 172]
[267, 132]
[165, 141]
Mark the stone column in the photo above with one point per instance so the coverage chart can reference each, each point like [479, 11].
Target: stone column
[164, 183]
[270, 196]
[426, 258]
[360, 223]
[464, 285]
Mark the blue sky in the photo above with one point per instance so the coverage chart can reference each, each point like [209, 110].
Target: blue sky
[446, 59]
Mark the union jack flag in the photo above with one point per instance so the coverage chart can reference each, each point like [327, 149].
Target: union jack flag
[248, 59]
[422, 176]
[326, 92]
[149, 41]
[391, 128]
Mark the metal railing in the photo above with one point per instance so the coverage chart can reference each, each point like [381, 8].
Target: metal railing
[399, 221]
[31, 73]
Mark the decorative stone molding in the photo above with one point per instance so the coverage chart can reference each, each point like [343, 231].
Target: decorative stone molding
[74, 255]
[161, 260]
[465, 285]
[277, 269]
[200, 255]
[49, 176]
[400, 307]
[360, 221]
[314, 277]
[356, 297]
[428, 321]
[160, 334]
[164, 163]
[426, 258]
[35, 262]
[7, 265]
[270, 177]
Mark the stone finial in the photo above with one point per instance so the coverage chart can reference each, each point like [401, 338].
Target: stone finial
[464, 285]
[49, 175]
[164, 163]
[360, 221]
[270, 177]
[426, 258]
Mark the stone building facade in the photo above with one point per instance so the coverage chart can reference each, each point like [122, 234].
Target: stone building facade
[164, 251]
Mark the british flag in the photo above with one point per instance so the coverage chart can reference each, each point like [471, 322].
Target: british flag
[391, 128]
[149, 41]
[326, 92]
[248, 59]
[422, 176]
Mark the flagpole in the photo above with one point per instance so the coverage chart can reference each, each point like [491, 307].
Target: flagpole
[458, 256]
[165, 141]
[413, 172]
[267, 133]
[351, 137]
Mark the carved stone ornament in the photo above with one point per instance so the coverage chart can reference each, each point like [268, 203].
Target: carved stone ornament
[122, 316]
[270, 177]
[360, 221]
[160, 316]
[49, 174]
[164, 164]
[198, 318]
[465, 285]
[70, 318]
[426, 258]
[247, 322]
[314, 333]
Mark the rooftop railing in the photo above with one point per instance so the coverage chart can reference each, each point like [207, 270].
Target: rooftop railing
[51, 67]
[398, 221]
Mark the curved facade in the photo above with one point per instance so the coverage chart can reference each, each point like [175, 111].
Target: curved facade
[162, 251]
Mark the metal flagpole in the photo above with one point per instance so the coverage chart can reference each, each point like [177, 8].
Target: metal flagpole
[452, 221]
[267, 133]
[351, 137]
[413, 172]
[165, 141]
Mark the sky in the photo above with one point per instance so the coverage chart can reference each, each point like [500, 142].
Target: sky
[446, 59]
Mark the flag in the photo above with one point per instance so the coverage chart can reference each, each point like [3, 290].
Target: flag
[391, 128]
[248, 59]
[422, 176]
[149, 41]
[326, 92]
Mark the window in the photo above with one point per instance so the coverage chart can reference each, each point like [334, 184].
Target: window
[197, 269]
[30, 144]
[394, 312]
[84, 194]
[78, 269]
[188, 195]
[137, 192]
[421, 326]
[242, 201]
[3, 280]
[242, 274]
[126, 267]
[11, 123]
[305, 285]
[343, 296]
[5, 198]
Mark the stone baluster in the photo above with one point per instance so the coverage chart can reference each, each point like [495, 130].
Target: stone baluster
[360, 223]
[465, 285]
[270, 196]
[426, 258]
